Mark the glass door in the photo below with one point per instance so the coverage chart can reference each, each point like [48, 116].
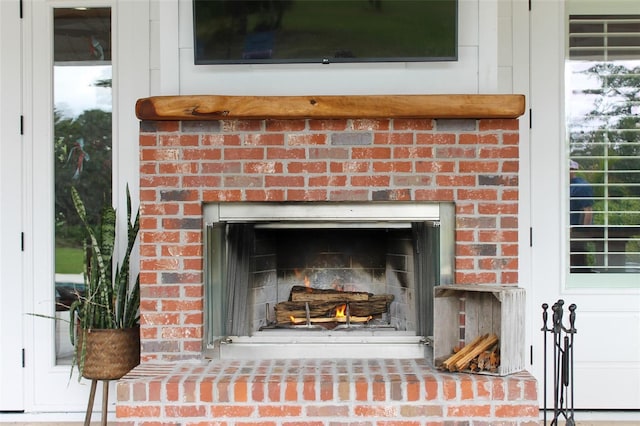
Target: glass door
[72, 147]
[84, 65]
[82, 145]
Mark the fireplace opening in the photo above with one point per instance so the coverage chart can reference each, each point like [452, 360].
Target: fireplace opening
[302, 280]
[333, 279]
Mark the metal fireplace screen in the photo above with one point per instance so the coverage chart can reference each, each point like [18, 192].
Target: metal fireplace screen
[333, 276]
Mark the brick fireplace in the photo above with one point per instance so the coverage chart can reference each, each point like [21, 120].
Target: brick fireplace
[197, 150]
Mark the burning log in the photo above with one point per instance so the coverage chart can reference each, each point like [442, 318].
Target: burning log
[354, 319]
[286, 310]
[324, 304]
[480, 355]
[376, 305]
[309, 294]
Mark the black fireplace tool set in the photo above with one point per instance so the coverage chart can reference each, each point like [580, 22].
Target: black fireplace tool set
[562, 361]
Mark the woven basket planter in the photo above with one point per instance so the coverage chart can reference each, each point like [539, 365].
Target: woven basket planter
[109, 354]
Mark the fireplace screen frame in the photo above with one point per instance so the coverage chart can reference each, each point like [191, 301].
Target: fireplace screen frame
[435, 221]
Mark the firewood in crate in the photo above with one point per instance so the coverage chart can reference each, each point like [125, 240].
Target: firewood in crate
[494, 360]
[487, 342]
[449, 363]
[309, 294]
[488, 360]
[475, 356]
[481, 360]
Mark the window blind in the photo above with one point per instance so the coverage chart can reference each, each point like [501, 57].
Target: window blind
[603, 131]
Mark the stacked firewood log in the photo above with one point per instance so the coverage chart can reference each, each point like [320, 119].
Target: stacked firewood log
[321, 305]
[482, 354]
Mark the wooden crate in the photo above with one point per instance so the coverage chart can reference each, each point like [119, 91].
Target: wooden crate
[486, 309]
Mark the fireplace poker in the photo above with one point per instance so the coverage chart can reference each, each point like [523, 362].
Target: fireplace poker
[563, 338]
[544, 330]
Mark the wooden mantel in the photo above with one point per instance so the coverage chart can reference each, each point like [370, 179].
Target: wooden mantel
[214, 107]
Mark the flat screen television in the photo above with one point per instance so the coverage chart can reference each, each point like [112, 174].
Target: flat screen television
[324, 31]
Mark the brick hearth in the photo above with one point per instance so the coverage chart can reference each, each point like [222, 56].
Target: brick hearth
[186, 162]
[323, 392]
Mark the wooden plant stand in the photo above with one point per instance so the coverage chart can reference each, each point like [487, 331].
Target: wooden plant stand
[105, 402]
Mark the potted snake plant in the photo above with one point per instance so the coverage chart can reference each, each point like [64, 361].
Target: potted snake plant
[104, 320]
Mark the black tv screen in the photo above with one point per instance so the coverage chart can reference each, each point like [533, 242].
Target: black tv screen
[324, 31]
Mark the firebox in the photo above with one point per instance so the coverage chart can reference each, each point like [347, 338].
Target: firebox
[301, 280]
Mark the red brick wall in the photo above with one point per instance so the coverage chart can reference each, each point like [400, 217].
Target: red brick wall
[183, 164]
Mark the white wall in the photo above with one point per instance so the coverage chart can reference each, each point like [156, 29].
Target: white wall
[11, 290]
[476, 71]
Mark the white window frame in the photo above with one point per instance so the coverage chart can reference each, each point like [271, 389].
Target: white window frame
[591, 280]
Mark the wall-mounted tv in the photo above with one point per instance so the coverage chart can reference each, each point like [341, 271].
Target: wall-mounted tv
[324, 31]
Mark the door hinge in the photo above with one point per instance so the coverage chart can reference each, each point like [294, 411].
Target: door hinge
[529, 5]
[531, 355]
[22, 124]
[22, 241]
[530, 236]
[530, 118]
[20, 9]
[23, 358]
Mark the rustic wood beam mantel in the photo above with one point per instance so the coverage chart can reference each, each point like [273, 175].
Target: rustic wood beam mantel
[214, 107]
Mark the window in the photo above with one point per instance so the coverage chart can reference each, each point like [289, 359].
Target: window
[82, 144]
[603, 134]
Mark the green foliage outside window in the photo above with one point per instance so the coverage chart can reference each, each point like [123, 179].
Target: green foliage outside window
[606, 143]
[83, 159]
